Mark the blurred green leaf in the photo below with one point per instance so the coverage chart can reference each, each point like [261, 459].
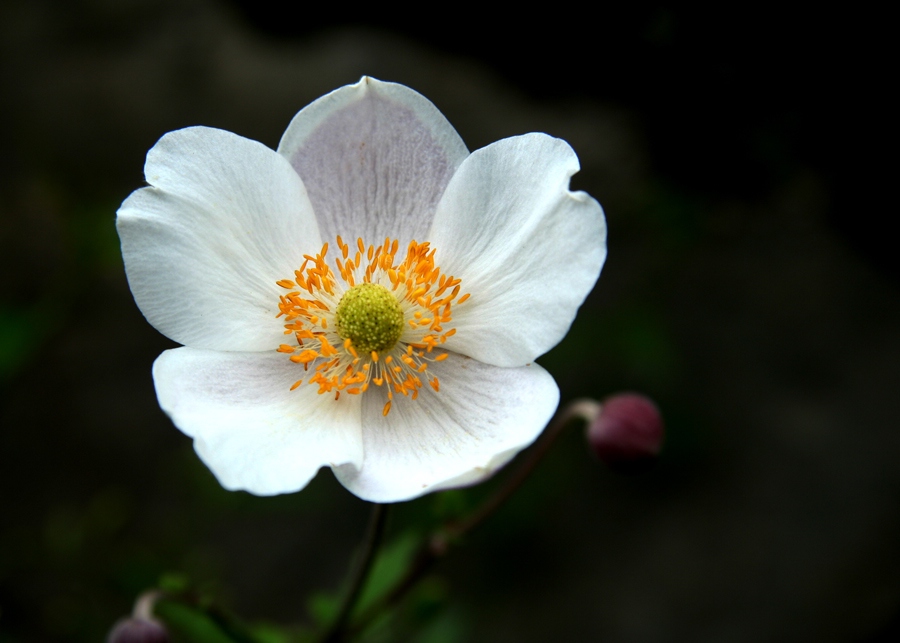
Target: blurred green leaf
[447, 627]
[418, 618]
[203, 622]
[323, 607]
[191, 624]
[269, 633]
[174, 583]
[427, 601]
[392, 563]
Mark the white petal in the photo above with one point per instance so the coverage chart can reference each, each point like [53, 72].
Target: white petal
[250, 429]
[376, 158]
[482, 416]
[526, 248]
[227, 218]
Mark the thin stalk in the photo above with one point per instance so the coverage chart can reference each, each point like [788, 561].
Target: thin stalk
[582, 409]
[371, 541]
[440, 541]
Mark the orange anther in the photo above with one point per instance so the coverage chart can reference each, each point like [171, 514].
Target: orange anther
[308, 314]
[305, 357]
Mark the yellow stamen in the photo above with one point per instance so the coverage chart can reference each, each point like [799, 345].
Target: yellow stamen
[305, 357]
[424, 296]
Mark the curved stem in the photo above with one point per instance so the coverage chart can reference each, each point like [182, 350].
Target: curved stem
[143, 606]
[584, 409]
[442, 538]
[371, 541]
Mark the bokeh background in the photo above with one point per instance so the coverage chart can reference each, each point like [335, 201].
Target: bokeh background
[751, 289]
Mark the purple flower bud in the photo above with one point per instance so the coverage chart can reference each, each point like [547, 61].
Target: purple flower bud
[627, 434]
[138, 630]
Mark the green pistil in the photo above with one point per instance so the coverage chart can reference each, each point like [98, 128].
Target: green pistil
[369, 315]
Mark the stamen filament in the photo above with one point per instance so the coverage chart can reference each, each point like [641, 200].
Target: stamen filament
[425, 298]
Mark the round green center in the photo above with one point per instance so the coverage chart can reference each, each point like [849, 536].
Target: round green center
[369, 315]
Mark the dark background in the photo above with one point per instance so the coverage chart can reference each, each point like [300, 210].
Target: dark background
[751, 289]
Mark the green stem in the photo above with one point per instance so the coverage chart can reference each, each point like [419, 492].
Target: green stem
[585, 410]
[440, 541]
[374, 532]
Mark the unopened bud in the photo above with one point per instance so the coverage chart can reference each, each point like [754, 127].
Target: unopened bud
[140, 627]
[627, 434]
[138, 630]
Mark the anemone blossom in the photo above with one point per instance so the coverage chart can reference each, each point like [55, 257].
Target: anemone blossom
[369, 297]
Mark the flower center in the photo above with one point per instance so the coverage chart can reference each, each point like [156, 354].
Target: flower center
[376, 320]
[370, 316]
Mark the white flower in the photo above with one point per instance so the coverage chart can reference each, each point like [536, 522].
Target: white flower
[421, 380]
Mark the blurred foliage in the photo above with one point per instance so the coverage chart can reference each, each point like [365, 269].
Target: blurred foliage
[113, 553]
[103, 499]
[90, 251]
[192, 615]
[392, 561]
[22, 330]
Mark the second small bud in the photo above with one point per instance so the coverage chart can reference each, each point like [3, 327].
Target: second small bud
[627, 433]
